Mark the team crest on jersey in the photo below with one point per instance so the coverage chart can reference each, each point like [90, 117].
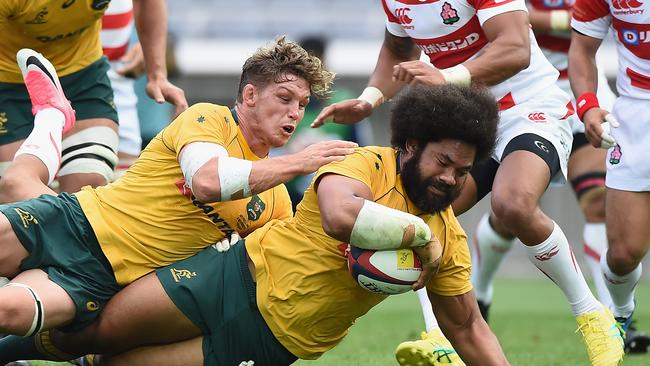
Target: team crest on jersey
[616, 155]
[255, 207]
[3, 122]
[449, 15]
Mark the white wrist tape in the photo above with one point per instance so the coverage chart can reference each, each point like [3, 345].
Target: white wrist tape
[381, 228]
[372, 95]
[233, 178]
[458, 75]
[560, 20]
[195, 155]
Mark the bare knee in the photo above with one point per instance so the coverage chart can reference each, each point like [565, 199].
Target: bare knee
[12, 186]
[16, 315]
[623, 259]
[514, 212]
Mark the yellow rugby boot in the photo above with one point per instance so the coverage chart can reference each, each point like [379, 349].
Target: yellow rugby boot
[602, 336]
[432, 350]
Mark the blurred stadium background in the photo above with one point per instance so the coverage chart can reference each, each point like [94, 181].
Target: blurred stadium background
[212, 39]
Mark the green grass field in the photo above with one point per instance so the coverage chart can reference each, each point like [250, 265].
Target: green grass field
[530, 317]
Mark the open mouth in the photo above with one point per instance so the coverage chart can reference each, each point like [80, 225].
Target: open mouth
[288, 129]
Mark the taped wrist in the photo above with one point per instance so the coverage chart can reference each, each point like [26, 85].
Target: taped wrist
[560, 20]
[382, 228]
[372, 95]
[458, 75]
[233, 178]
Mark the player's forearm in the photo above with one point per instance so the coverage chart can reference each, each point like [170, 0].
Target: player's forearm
[501, 61]
[583, 72]
[550, 21]
[269, 173]
[151, 22]
[393, 51]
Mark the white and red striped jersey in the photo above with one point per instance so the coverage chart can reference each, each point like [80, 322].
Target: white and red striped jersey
[117, 25]
[449, 32]
[555, 45]
[631, 28]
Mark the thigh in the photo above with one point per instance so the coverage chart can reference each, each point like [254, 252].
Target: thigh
[586, 159]
[186, 353]
[141, 314]
[58, 307]
[522, 175]
[12, 252]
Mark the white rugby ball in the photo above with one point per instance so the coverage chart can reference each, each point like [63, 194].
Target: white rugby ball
[387, 272]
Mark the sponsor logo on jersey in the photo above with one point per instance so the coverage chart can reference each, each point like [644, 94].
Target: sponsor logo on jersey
[634, 37]
[449, 15]
[537, 117]
[179, 274]
[48, 39]
[558, 4]
[40, 17]
[548, 255]
[3, 122]
[454, 45]
[403, 18]
[255, 208]
[616, 155]
[26, 217]
[627, 7]
[207, 209]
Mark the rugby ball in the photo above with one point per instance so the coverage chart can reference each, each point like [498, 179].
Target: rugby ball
[387, 272]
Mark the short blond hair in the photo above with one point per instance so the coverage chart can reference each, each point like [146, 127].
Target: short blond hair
[282, 58]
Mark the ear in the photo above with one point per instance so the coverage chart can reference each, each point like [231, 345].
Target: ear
[411, 146]
[249, 95]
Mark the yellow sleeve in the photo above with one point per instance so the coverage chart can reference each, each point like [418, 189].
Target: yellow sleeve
[283, 209]
[202, 122]
[359, 166]
[453, 278]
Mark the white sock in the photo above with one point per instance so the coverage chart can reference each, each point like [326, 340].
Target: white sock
[594, 244]
[430, 321]
[555, 259]
[488, 252]
[44, 141]
[621, 288]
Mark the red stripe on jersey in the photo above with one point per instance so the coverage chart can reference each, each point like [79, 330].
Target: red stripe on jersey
[416, 2]
[634, 37]
[550, 4]
[114, 53]
[553, 43]
[569, 110]
[588, 10]
[115, 21]
[564, 74]
[638, 80]
[391, 17]
[454, 48]
[486, 4]
[506, 102]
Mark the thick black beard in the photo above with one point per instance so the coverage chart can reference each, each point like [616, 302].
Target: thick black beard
[417, 190]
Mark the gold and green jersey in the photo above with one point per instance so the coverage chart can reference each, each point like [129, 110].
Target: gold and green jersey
[149, 218]
[304, 290]
[66, 32]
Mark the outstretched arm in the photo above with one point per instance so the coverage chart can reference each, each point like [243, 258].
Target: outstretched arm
[381, 85]
[151, 22]
[461, 322]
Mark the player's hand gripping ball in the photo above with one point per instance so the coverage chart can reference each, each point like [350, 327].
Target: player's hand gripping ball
[387, 272]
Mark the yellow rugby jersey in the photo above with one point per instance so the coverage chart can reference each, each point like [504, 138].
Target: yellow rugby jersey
[149, 218]
[66, 32]
[305, 292]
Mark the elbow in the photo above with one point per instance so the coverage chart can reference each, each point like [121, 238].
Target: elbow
[334, 226]
[204, 190]
[521, 58]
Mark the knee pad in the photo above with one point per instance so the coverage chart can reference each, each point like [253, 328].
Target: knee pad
[93, 150]
[587, 186]
[39, 314]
